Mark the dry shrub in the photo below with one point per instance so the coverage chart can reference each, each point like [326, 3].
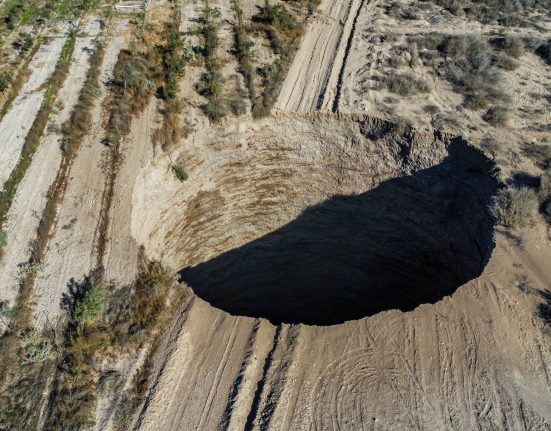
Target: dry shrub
[540, 154]
[505, 62]
[515, 207]
[130, 316]
[214, 109]
[171, 131]
[545, 194]
[236, 100]
[512, 45]
[133, 83]
[469, 63]
[405, 84]
[545, 185]
[283, 31]
[502, 12]
[497, 115]
[22, 385]
[544, 51]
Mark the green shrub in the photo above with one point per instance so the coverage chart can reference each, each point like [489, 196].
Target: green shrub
[180, 173]
[35, 347]
[3, 238]
[5, 81]
[208, 30]
[88, 309]
[170, 90]
[30, 269]
[26, 42]
[277, 16]
[210, 84]
[515, 207]
[215, 109]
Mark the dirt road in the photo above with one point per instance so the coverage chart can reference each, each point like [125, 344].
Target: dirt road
[72, 249]
[18, 120]
[313, 80]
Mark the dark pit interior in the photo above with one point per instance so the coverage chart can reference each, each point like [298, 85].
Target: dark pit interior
[411, 240]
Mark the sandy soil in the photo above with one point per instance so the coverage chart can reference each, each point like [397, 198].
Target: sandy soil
[18, 120]
[72, 249]
[189, 398]
[30, 199]
[312, 80]
[528, 85]
[476, 355]
[121, 255]
[441, 366]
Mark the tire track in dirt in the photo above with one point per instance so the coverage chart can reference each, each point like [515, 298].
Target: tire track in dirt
[120, 259]
[262, 382]
[185, 394]
[226, 418]
[241, 396]
[335, 105]
[308, 83]
[168, 350]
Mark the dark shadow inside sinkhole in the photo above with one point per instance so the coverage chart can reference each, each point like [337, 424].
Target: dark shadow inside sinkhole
[409, 241]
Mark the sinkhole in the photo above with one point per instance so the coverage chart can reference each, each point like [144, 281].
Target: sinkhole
[412, 238]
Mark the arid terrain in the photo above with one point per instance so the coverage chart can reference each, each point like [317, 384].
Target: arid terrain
[275, 215]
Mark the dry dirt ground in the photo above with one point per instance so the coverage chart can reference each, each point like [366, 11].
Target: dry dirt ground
[347, 272]
[461, 363]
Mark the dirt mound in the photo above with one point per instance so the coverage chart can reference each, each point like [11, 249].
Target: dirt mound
[358, 219]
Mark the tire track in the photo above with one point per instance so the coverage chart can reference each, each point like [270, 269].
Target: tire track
[335, 106]
[262, 382]
[168, 351]
[308, 83]
[236, 386]
[219, 372]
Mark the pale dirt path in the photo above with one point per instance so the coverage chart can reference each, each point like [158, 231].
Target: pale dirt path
[18, 120]
[72, 248]
[121, 254]
[312, 80]
[187, 395]
[30, 200]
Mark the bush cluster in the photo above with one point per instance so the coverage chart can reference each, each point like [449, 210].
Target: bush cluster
[180, 173]
[515, 207]
[5, 81]
[471, 64]
[502, 12]
[497, 115]
[211, 83]
[405, 84]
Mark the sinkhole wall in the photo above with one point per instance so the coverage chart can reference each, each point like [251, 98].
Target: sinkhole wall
[319, 219]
